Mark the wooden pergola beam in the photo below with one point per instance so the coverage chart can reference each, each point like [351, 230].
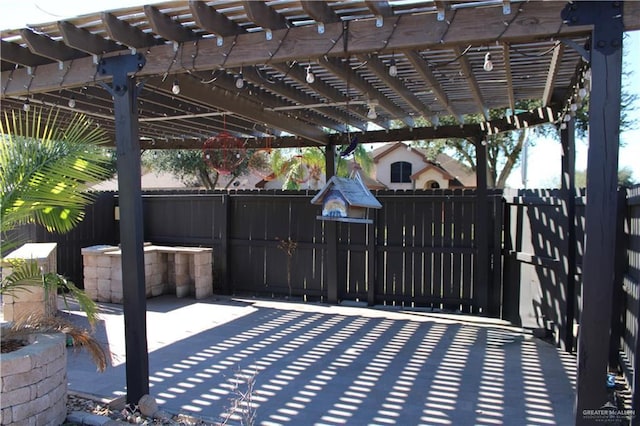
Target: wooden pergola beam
[167, 27]
[212, 21]
[49, 48]
[412, 32]
[85, 41]
[421, 66]
[506, 54]
[556, 59]
[469, 75]
[16, 54]
[375, 65]
[126, 34]
[346, 73]
[217, 97]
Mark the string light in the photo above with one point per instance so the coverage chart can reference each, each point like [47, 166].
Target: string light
[72, 102]
[240, 80]
[26, 107]
[175, 89]
[310, 78]
[371, 114]
[393, 68]
[488, 65]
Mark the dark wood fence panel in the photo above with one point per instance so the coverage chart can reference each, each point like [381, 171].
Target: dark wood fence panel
[420, 250]
[535, 259]
[426, 249]
[630, 342]
[99, 226]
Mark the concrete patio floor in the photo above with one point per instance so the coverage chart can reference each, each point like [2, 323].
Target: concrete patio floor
[335, 365]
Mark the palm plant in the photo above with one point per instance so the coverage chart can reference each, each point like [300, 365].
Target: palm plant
[309, 164]
[46, 173]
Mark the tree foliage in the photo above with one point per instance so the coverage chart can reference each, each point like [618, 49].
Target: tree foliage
[189, 166]
[308, 165]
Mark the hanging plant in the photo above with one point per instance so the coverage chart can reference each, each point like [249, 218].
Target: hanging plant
[224, 153]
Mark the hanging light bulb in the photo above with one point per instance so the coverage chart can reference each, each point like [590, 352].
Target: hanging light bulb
[582, 93]
[175, 89]
[26, 107]
[371, 114]
[488, 65]
[393, 68]
[573, 107]
[72, 102]
[310, 78]
[240, 81]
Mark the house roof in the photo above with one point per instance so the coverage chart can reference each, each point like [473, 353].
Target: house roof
[451, 168]
[353, 190]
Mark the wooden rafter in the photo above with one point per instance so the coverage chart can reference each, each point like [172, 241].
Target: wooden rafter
[52, 49]
[228, 101]
[369, 92]
[421, 66]
[167, 27]
[16, 54]
[124, 33]
[552, 74]
[471, 82]
[380, 8]
[324, 90]
[375, 65]
[264, 16]
[85, 41]
[212, 21]
[506, 54]
[300, 98]
[319, 11]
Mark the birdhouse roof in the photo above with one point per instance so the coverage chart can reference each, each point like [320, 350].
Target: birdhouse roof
[353, 190]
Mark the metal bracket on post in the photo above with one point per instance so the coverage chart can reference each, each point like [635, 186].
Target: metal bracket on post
[119, 67]
[606, 16]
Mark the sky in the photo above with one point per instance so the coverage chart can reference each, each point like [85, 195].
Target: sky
[544, 154]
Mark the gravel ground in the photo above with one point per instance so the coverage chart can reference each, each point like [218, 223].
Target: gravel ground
[77, 403]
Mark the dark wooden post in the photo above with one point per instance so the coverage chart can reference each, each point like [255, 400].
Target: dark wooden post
[125, 93]
[331, 233]
[567, 137]
[372, 257]
[482, 279]
[601, 209]
[225, 226]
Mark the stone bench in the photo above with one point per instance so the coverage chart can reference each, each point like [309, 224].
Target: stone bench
[182, 271]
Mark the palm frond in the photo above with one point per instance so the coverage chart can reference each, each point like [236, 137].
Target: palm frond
[80, 337]
[24, 274]
[47, 169]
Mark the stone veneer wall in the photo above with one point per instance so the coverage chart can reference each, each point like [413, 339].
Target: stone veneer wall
[182, 271]
[34, 382]
[34, 300]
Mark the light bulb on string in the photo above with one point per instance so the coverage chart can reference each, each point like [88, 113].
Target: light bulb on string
[240, 81]
[26, 107]
[488, 65]
[310, 78]
[371, 114]
[175, 89]
[393, 68]
[72, 102]
[582, 93]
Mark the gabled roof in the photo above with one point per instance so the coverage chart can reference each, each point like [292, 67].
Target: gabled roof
[353, 190]
[436, 167]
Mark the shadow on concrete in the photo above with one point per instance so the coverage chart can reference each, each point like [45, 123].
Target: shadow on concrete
[335, 365]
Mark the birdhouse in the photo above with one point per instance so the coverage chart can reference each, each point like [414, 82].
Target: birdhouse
[346, 200]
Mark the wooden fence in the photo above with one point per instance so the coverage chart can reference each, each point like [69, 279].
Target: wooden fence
[420, 251]
[627, 308]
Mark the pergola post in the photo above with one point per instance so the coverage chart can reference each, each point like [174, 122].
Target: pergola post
[125, 93]
[601, 210]
[483, 282]
[567, 137]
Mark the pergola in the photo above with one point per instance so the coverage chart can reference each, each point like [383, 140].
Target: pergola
[288, 73]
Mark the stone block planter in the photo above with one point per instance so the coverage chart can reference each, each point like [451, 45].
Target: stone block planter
[34, 382]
